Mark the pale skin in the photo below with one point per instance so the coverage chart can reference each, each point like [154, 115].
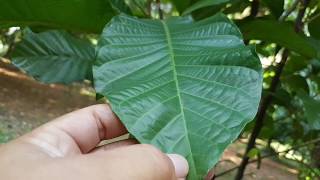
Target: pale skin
[66, 148]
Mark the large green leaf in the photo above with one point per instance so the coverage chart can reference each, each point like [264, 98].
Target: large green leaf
[79, 15]
[275, 32]
[185, 87]
[54, 57]
[204, 3]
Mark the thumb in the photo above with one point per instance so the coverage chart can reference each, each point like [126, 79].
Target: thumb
[137, 162]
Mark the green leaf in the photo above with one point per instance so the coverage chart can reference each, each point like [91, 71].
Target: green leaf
[139, 8]
[314, 27]
[315, 43]
[284, 35]
[314, 4]
[185, 87]
[276, 6]
[204, 3]
[78, 15]
[315, 64]
[253, 153]
[54, 57]
[99, 96]
[295, 82]
[311, 110]
[295, 64]
[120, 6]
[266, 133]
[236, 6]
[181, 5]
[281, 97]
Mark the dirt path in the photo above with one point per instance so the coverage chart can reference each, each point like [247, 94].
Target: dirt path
[26, 104]
[269, 170]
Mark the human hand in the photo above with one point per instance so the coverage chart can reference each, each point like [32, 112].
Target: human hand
[66, 149]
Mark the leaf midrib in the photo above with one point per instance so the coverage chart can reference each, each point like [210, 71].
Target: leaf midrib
[175, 75]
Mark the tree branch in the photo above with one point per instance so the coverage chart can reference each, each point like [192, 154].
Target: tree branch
[313, 18]
[270, 155]
[299, 20]
[159, 9]
[254, 8]
[289, 10]
[264, 105]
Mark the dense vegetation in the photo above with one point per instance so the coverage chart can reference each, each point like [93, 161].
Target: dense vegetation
[187, 84]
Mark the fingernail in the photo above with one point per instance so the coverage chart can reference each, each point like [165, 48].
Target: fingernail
[180, 164]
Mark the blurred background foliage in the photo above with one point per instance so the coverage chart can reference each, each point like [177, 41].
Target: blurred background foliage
[286, 34]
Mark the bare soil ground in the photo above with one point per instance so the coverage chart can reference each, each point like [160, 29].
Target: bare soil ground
[26, 104]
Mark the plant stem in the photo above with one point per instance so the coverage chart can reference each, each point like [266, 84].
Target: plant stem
[313, 18]
[289, 10]
[159, 9]
[267, 101]
[299, 20]
[254, 8]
